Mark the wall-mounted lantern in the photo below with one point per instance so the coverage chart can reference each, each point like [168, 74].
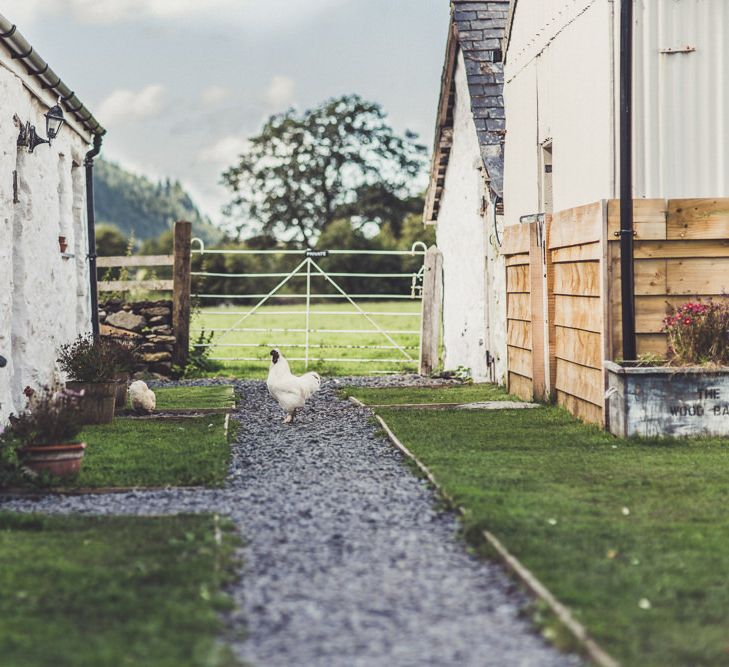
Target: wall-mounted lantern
[30, 138]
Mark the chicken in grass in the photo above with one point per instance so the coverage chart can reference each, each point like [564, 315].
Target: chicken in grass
[142, 398]
[289, 390]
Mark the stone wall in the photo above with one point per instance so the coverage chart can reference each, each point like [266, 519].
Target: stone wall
[149, 325]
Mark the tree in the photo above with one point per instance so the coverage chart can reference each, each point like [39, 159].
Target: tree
[302, 171]
[110, 242]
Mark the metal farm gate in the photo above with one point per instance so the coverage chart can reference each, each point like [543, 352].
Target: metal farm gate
[303, 294]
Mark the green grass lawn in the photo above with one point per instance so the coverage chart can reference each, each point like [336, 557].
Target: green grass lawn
[217, 396]
[465, 393]
[149, 452]
[112, 591]
[396, 316]
[632, 535]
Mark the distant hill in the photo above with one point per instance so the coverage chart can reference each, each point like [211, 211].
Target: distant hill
[135, 204]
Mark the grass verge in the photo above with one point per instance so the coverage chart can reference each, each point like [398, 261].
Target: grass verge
[465, 393]
[215, 396]
[112, 591]
[149, 452]
[631, 535]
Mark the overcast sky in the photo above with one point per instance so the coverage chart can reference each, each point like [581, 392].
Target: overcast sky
[180, 84]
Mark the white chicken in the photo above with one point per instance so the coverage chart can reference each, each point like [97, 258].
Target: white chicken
[142, 397]
[288, 389]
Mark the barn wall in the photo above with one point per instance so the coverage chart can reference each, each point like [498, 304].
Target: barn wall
[43, 296]
[558, 89]
[681, 123]
[472, 322]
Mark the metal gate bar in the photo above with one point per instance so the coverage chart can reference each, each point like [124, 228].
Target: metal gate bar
[304, 269]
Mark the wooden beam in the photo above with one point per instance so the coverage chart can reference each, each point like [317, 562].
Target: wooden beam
[130, 285]
[181, 292]
[432, 304]
[135, 260]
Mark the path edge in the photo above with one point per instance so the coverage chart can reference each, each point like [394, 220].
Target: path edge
[596, 653]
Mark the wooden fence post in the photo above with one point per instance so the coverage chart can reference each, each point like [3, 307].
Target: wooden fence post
[181, 292]
[432, 305]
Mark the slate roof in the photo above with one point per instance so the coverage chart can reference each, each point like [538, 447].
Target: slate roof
[477, 29]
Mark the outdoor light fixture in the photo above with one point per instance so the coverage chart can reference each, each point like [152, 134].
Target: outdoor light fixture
[54, 121]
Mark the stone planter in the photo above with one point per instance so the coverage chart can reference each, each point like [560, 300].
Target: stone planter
[57, 460]
[96, 406]
[667, 401]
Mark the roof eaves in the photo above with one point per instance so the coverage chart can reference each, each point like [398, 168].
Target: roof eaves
[35, 66]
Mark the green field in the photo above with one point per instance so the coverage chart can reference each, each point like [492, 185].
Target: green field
[336, 343]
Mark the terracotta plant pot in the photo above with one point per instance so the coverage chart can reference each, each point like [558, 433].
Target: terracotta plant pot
[122, 386]
[96, 406]
[57, 460]
[62, 243]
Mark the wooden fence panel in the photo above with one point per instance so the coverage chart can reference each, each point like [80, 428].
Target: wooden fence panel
[516, 249]
[578, 266]
[690, 261]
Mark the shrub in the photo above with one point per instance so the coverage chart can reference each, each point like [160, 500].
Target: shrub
[120, 355]
[51, 417]
[698, 333]
[87, 360]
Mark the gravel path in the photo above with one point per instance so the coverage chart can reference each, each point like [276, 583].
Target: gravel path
[348, 562]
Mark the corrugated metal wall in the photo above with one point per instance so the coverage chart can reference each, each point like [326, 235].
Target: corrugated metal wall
[682, 98]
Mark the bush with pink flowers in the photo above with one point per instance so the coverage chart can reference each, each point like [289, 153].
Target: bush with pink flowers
[698, 333]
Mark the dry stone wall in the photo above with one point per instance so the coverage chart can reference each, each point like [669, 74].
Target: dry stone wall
[148, 324]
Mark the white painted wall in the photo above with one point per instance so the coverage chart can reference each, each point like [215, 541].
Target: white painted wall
[558, 88]
[681, 99]
[561, 83]
[473, 316]
[44, 298]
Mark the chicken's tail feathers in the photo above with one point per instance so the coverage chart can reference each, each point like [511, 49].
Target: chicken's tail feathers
[310, 383]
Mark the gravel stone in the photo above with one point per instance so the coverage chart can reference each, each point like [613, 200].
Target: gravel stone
[348, 560]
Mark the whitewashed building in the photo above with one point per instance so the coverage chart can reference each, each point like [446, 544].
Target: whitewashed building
[45, 298]
[562, 91]
[465, 192]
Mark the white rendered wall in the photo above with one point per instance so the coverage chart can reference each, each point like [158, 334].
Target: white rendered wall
[472, 318]
[43, 297]
[559, 89]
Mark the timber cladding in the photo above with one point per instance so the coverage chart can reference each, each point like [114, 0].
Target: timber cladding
[518, 311]
[681, 253]
[577, 309]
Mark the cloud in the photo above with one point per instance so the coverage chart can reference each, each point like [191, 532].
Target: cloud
[225, 151]
[280, 92]
[124, 104]
[270, 13]
[214, 95]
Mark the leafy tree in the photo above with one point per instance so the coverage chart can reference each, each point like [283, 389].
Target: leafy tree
[110, 242]
[304, 170]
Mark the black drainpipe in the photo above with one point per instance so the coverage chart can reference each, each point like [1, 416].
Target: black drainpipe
[91, 221]
[627, 280]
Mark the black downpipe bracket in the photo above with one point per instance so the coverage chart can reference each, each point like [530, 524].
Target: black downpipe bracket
[91, 222]
[627, 278]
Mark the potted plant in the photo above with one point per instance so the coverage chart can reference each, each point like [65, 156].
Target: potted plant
[686, 394]
[90, 367]
[123, 359]
[44, 435]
